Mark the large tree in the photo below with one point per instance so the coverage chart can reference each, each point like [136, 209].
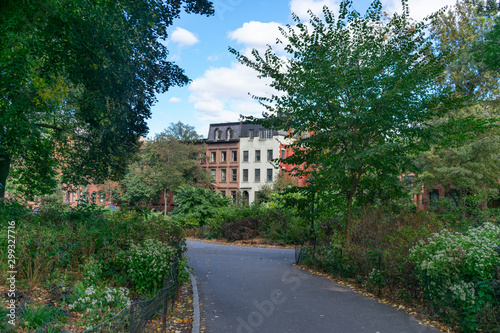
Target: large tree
[165, 163]
[77, 82]
[471, 166]
[357, 92]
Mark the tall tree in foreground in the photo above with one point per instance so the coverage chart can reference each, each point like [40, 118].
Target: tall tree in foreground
[358, 93]
[77, 82]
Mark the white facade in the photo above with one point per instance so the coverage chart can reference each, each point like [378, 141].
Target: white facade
[256, 167]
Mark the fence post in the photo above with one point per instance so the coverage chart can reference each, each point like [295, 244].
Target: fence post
[131, 319]
[165, 304]
[341, 264]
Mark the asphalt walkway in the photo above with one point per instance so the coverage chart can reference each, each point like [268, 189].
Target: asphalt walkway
[257, 290]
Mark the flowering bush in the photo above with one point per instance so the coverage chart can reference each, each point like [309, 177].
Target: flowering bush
[148, 263]
[460, 269]
[99, 304]
[92, 272]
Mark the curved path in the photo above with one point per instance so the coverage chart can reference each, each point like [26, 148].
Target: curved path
[257, 290]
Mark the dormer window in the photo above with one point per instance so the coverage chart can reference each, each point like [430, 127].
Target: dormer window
[229, 134]
[217, 134]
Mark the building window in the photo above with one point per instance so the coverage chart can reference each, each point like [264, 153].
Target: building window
[245, 156]
[223, 156]
[269, 155]
[233, 195]
[213, 157]
[265, 134]
[245, 175]
[234, 156]
[257, 175]
[93, 197]
[234, 175]
[257, 156]
[269, 175]
[217, 134]
[102, 197]
[282, 153]
[229, 134]
[213, 172]
[223, 193]
[223, 175]
[251, 134]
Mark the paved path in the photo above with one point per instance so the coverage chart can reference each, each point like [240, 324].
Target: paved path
[257, 290]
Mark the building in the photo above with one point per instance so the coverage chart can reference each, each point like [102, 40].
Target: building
[240, 158]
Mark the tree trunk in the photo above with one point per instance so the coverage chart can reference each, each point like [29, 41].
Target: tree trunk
[4, 171]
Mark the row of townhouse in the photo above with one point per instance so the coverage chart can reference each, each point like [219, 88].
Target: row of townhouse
[240, 157]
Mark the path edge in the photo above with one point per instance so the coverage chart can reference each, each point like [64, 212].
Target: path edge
[196, 304]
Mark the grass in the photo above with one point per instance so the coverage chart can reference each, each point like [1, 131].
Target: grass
[40, 316]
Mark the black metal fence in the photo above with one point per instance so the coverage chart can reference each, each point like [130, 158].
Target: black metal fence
[150, 315]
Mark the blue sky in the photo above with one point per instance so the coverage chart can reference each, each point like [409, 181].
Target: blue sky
[220, 86]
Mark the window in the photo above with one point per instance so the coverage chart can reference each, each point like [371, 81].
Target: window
[265, 134]
[257, 156]
[213, 157]
[223, 193]
[282, 153]
[223, 175]
[233, 195]
[223, 156]
[94, 197]
[269, 175]
[234, 175]
[245, 175]
[217, 134]
[269, 155]
[257, 175]
[102, 197]
[234, 156]
[229, 134]
[251, 134]
[213, 171]
[245, 156]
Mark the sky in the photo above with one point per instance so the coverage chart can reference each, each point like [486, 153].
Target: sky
[220, 86]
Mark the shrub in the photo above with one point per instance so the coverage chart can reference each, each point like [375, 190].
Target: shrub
[459, 271]
[244, 228]
[99, 304]
[148, 263]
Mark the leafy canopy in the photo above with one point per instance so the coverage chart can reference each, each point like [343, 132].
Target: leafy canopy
[357, 93]
[77, 82]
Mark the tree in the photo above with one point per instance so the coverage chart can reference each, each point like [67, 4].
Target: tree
[358, 94]
[77, 82]
[170, 160]
[472, 166]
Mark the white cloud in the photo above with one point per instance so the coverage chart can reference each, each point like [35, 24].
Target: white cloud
[222, 94]
[183, 37]
[175, 100]
[256, 34]
[300, 7]
[418, 8]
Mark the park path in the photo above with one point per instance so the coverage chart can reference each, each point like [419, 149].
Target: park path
[258, 290]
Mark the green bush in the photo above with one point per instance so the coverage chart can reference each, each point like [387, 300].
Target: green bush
[148, 263]
[98, 304]
[460, 272]
[39, 316]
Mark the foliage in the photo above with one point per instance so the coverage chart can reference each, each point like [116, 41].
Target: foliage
[38, 316]
[78, 82]
[461, 270]
[98, 304]
[169, 161]
[148, 263]
[357, 93]
[471, 167]
[198, 203]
